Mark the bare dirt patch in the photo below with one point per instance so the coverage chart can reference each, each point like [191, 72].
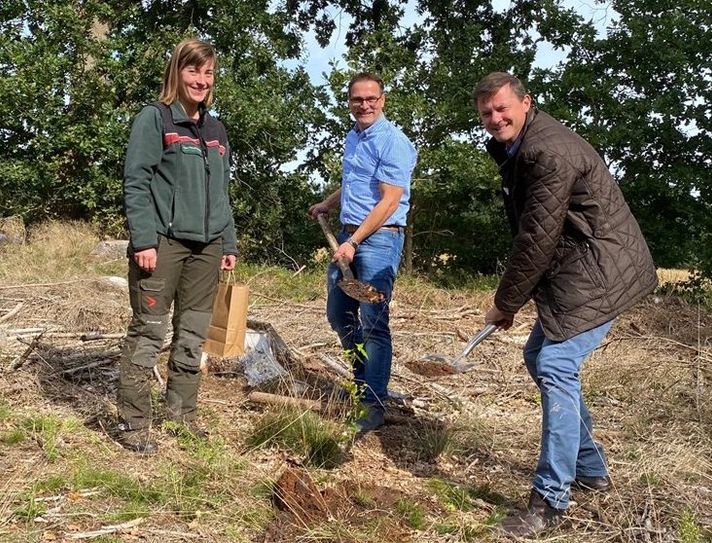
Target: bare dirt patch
[461, 451]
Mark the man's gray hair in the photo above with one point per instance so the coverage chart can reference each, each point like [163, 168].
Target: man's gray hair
[491, 83]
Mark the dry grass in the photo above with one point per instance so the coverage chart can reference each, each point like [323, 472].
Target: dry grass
[466, 454]
[671, 275]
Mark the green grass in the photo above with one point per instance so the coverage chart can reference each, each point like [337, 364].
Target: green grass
[432, 440]
[688, 528]
[5, 411]
[462, 439]
[363, 498]
[13, 437]
[650, 479]
[411, 512]
[462, 532]
[58, 252]
[462, 497]
[49, 432]
[304, 433]
[278, 283]
[118, 484]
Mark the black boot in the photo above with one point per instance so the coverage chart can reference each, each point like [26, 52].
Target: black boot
[139, 441]
[538, 517]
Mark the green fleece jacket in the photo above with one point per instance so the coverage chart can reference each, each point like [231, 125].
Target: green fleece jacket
[176, 179]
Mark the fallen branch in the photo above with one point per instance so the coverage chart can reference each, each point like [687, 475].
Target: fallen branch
[276, 399]
[20, 360]
[92, 336]
[159, 378]
[14, 311]
[312, 405]
[107, 530]
[101, 362]
[30, 285]
[334, 365]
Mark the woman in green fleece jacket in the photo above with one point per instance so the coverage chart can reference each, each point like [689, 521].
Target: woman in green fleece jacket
[182, 233]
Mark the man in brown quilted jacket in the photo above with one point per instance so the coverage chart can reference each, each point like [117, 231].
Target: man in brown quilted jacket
[578, 252]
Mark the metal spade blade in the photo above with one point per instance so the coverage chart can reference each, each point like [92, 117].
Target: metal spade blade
[434, 365]
[358, 290]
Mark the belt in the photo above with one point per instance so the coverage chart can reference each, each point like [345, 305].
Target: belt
[351, 228]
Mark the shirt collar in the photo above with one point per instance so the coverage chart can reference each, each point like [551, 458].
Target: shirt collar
[378, 122]
[512, 149]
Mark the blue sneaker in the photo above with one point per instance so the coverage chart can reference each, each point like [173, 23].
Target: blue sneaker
[371, 420]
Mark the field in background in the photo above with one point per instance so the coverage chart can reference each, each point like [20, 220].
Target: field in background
[459, 453]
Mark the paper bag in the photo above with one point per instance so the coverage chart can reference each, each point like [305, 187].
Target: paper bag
[226, 334]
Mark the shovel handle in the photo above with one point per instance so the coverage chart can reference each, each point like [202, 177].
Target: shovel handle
[343, 265]
[478, 338]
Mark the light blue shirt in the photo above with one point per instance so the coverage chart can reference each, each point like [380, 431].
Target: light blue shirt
[379, 154]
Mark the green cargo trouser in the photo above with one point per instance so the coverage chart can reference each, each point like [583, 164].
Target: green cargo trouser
[186, 273]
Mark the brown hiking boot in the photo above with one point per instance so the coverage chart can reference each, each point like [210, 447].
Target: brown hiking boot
[538, 517]
[597, 484]
[139, 441]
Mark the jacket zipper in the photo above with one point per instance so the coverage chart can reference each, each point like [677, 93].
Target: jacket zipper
[206, 164]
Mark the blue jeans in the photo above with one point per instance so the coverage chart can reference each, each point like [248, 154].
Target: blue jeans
[567, 447]
[363, 328]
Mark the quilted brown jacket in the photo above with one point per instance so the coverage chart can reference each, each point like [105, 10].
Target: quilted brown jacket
[577, 249]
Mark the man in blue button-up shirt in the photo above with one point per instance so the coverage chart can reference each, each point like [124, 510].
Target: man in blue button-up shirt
[374, 200]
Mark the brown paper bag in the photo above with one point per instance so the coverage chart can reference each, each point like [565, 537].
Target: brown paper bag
[226, 335]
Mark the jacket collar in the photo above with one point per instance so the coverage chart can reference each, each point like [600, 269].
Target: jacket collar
[179, 116]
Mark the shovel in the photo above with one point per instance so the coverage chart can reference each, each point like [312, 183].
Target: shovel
[437, 364]
[355, 289]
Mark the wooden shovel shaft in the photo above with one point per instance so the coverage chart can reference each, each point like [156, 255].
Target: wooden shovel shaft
[343, 265]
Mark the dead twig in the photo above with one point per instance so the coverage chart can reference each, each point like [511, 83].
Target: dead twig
[95, 364]
[21, 359]
[107, 530]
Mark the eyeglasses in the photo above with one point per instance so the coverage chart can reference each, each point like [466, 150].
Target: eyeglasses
[369, 100]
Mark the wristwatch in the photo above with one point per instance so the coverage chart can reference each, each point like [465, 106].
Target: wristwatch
[351, 241]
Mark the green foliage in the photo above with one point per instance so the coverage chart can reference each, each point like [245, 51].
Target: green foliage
[302, 432]
[461, 497]
[14, 436]
[138, 493]
[695, 291]
[640, 95]
[432, 439]
[688, 527]
[5, 411]
[48, 431]
[74, 74]
[650, 479]
[412, 513]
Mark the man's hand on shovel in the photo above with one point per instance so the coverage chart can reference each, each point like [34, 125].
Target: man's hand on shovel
[499, 318]
[351, 286]
[345, 251]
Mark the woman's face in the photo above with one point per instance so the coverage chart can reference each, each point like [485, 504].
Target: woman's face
[195, 84]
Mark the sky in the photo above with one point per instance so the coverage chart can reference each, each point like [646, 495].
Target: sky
[317, 59]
